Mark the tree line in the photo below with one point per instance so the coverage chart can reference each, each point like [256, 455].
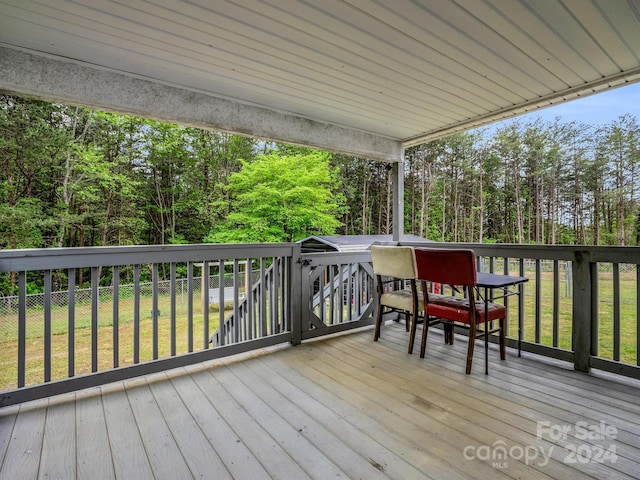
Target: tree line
[79, 177]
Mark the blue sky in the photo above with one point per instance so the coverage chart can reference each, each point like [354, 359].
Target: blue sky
[600, 108]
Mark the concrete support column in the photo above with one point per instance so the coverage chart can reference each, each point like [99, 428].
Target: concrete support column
[398, 198]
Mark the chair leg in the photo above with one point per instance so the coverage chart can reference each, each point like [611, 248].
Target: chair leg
[406, 321]
[503, 339]
[448, 330]
[472, 342]
[412, 336]
[425, 331]
[376, 334]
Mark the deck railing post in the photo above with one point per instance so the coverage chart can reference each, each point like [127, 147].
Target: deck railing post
[296, 297]
[582, 314]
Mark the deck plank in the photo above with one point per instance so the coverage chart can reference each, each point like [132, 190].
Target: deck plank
[311, 433]
[162, 451]
[190, 440]
[485, 415]
[512, 381]
[93, 452]
[381, 422]
[523, 389]
[22, 458]
[203, 405]
[127, 449]
[341, 406]
[410, 409]
[332, 418]
[8, 418]
[289, 438]
[58, 459]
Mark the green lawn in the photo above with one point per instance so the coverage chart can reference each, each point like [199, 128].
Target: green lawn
[628, 315]
[82, 364]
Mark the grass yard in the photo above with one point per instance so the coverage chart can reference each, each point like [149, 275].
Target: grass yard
[82, 343]
[628, 315]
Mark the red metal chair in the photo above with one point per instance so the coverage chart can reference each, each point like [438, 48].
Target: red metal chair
[391, 264]
[456, 268]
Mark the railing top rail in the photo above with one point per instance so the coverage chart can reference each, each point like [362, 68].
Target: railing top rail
[545, 252]
[80, 257]
[329, 258]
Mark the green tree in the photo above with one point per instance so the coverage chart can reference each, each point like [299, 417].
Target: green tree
[204, 198]
[281, 198]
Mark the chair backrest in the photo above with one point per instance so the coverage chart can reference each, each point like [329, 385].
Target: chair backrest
[451, 267]
[393, 261]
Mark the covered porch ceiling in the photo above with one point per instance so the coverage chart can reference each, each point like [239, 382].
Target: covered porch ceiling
[364, 77]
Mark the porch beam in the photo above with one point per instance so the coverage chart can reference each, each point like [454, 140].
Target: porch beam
[50, 78]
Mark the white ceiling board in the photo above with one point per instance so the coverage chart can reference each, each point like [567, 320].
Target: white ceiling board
[407, 70]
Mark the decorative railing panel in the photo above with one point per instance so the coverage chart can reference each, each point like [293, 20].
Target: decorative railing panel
[338, 292]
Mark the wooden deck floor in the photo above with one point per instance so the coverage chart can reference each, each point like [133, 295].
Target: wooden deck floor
[343, 407]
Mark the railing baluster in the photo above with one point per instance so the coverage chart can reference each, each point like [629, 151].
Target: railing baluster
[288, 304]
[505, 271]
[204, 285]
[282, 294]
[538, 325]
[556, 303]
[263, 297]
[616, 311]
[222, 329]
[22, 328]
[154, 309]
[116, 316]
[190, 307]
[95, 306]
[274, 288]
[136, 314]
[595, 307]
[47, 325]
[236, 307]
[349, 295]
[342, 268]
[250, 295]
[322, 304]
[361, 285]
[332, 295]
[520, 307]
[71, 309]
[172, 297]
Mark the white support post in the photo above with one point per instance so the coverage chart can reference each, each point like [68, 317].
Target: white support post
[398, 198]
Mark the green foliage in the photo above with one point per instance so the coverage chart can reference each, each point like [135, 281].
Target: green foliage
[280, 198]
[20, 224]
[77, 177]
